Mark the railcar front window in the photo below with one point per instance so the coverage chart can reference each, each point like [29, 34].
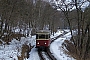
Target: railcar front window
[41, 36]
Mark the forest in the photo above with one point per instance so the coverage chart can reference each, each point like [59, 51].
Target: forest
[30, 15]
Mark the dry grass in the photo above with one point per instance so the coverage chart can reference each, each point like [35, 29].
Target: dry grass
[8, 38]
[25, 52]
[73, 51]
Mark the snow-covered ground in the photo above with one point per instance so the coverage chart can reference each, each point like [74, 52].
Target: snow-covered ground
[10, 52]
[57, 49]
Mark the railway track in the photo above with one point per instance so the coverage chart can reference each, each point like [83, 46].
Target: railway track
[50, 54]
[53, 39]
[47, 53]
[40, 55]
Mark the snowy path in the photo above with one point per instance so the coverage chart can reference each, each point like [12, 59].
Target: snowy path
[34, 54]
[57, 50]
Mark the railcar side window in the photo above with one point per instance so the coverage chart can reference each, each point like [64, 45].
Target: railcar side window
[36, 36]
[47, 37]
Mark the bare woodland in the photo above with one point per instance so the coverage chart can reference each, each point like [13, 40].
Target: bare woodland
[81, 41]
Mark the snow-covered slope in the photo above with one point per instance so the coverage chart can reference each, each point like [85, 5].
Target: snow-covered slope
[57, 49]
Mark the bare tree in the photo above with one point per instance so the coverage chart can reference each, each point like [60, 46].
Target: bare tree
[67, 7]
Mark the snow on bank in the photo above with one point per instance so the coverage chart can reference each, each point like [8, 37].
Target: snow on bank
[33, 54]
[57, 50]
[12, 51]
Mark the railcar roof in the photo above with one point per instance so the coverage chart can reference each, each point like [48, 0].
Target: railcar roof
[43, 31]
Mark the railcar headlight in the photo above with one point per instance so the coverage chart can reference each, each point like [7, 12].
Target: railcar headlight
[45, 43]
[38, 43]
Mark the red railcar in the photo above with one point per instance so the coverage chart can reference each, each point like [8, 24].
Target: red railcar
[42, 39]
